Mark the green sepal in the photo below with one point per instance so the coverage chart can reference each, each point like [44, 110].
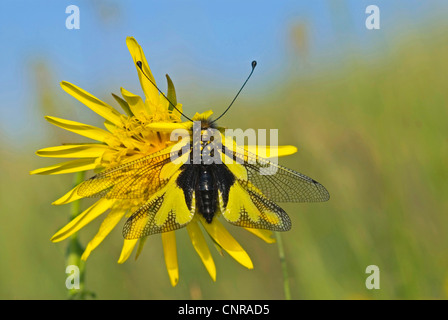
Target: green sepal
[124, 105]
[171, 93]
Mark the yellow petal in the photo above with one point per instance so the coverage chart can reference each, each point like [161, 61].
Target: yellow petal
[271, 151]
[92, 150]
[265, 235]
[70, 196]
[137, 55]
[82, 129]
[98, 106]
[136, 103]
[128, 246]
[106, 227]
[68, 167]
[165, 126]
[83, 219]
[224, 239]
[170, 251]
[202, 116]
[200, 245]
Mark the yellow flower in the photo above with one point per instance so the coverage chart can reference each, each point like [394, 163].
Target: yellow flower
[128, 137]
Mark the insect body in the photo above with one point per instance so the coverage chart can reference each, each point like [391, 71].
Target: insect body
[207, 192]
[206, 181]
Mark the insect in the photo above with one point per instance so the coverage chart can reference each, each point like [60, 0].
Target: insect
[175, 191]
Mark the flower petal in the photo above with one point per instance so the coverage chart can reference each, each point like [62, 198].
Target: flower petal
[68, 167]
[128, 246]
[225, 240]
[110, 126]
[83, 219]
[137, 55]
[265, 235]
[170, 251]
[70, 196]
[203, 115]
[106, 227]
[93, 150]
[98, 106]
[271, 151]
[165, 126]
[82, 129]
[135, 103]
[200, 245]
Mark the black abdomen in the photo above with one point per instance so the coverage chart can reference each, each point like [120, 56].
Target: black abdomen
[206, 194]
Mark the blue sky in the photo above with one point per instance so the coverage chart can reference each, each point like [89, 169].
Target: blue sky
[206, 44]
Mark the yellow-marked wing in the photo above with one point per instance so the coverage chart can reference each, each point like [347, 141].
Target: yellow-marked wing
[165, 211]
[248, 207]
[138, 179]
[275, 182]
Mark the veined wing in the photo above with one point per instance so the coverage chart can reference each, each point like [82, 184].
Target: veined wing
[134, 180]
[276, 182]
[166, 210]
[248, 207]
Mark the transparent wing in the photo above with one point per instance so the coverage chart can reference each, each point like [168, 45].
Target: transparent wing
[142, 222]
[134, 180]
[276, 182]
[258, 213]
[162, 213]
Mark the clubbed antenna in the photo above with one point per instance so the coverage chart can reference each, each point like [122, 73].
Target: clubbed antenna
[254, 64]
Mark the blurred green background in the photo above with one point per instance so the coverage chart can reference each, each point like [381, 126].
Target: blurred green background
[366, 108]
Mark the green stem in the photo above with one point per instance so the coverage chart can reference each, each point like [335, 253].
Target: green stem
[75, 249]
[281, 255]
